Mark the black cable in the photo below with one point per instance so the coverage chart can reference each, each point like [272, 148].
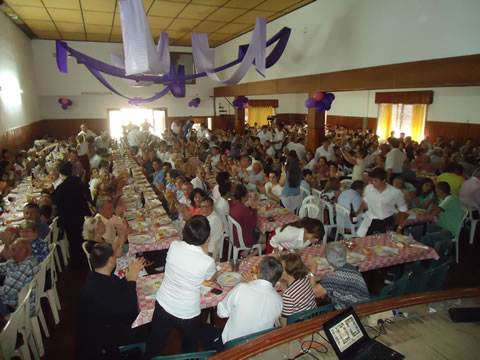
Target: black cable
[326, 340]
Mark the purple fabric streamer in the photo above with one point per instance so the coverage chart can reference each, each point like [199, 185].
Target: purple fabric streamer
[204, 57]
[175, 81]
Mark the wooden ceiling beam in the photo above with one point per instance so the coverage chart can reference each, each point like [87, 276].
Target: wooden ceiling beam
[445, 72]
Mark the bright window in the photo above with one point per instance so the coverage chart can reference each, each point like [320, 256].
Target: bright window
[402, 118]
[121, 117]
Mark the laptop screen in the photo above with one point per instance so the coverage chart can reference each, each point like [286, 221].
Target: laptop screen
[344, 332]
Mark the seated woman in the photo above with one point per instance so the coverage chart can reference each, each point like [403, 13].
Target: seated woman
[195, 198]
[406, 188]
[93, 231]
[331, 191]
[310, 162]
[344, 285]
[297, 235]
[244, 211]
[272, 188]
[297, 292]
[425, 195]
[323, 167]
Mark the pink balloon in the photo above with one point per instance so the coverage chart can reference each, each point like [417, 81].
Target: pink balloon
[318, 96]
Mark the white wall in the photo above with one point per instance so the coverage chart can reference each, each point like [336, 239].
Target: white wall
[333, 35]
[16, 72]
[452, 104]
[52, 85]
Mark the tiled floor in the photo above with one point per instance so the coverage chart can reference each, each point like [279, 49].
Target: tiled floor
[61, 343]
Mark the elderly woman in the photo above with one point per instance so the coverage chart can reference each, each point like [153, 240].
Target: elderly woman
[344, 285]
[297, 292]
[177, 302]
[93, 231]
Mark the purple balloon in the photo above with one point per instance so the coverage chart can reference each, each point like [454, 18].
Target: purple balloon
[319, 107]
[330, 97]
[64, 106]
[328, 107]
[197, 99]
[310, 102]
[245, 100]
[326, 101]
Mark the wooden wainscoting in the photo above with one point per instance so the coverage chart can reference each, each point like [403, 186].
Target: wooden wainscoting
[224, 122]
[351, 122]
[450, 130]
[21, 137]
[63, 128]
[291, 118]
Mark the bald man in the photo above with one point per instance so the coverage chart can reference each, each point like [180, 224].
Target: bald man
[18, 271]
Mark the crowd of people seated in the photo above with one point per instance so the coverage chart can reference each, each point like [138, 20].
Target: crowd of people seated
[203, 175]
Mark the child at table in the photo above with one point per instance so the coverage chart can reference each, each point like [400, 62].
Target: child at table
[296, 235]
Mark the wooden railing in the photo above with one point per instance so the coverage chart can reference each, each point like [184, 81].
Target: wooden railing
[308, 327]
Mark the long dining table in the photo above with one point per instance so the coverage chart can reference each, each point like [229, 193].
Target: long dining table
[369, 253]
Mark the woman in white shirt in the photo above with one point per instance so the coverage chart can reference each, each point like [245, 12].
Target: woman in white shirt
[178, 299]
[358, 162]
[272, 188]
[298, 235]
[310, 162]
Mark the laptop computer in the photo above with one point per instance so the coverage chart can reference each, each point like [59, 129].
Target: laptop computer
[350, 340]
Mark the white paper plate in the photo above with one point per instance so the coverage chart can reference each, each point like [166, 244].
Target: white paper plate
[152, 286]
[322, 263]
[166, 232]
[384, 250]
[140, 226]
[163, 221]
[229, 279]
[353, 257]
[140, 239]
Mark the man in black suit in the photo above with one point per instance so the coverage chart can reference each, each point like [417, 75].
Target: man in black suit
[108, 307]
[72, 207]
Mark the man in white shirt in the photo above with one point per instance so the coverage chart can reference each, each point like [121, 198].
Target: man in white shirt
[102, 141]
[264, 135]
[175, 127]
[253, 306]
[216, 228]
[269, 150]
[202, 132]
[84, 130]
[135, 138]
[277, 137]
[106, 213]
[198, 182]
[222, 206]
[470, 189]
[384, 202]
[325, 150]
[394, 160]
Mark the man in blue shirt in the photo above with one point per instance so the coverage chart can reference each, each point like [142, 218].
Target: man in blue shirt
[352, 198]
[159, 174]
[32, 212]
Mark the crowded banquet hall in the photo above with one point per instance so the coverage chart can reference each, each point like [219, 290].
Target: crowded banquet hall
[239, 179]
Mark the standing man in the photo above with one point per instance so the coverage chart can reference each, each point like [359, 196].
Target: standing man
[278, 136]
[84, 130]
[394, 160]
[216, 227]
[383, 201]
[72, 207]
[264, 135]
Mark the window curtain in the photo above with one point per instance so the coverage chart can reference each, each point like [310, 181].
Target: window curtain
[384, 121]
[418, 121]
[259, 115]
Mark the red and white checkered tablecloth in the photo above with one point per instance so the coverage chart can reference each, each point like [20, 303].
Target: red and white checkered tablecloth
[264, 225]
[372, 261]
[157, 244]
[420, 218]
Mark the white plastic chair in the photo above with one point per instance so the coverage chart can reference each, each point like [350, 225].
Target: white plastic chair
[471, 220]
[51, 294]
[305, 192]
[63, 243]
[19, 322]
[456, 239]
[231, 224]
[309, 210]
[342, 215]
[53, 239]
[311, 199]
[84, 247]
[325, 206]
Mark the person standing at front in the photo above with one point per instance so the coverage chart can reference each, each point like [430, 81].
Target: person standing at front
[178, 299]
